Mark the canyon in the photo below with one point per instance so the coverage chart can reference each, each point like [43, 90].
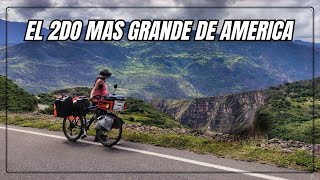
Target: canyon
[231, 114]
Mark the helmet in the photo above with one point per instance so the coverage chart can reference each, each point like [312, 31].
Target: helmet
[105, 73]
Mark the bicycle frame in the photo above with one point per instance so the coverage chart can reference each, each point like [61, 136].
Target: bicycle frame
[96, 108]
[94, 117]
[88, 124]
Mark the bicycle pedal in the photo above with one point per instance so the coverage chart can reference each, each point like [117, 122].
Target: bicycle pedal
[83, 136]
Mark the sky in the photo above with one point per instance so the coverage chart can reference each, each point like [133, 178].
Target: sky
[302, 16]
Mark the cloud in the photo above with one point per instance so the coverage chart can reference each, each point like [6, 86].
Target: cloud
[303, 28]
[24, 13]
[303, 17]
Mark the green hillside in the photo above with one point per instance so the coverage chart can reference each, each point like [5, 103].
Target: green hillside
[288, 113]
[18, 99]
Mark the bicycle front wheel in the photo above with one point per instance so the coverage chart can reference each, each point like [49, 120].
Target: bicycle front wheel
[73, 127]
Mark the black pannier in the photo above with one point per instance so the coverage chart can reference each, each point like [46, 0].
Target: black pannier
[63, 106]
[80, 103]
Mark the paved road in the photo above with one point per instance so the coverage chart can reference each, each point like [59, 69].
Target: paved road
[41, 154]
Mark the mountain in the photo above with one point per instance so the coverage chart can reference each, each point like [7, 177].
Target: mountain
[158, 69]
[283, 111]
[16, 32]
[231, 114]
[305, 43]
[18, 99]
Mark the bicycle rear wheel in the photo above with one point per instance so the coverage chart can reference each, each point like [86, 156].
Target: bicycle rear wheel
[110, 138]
[73, 127]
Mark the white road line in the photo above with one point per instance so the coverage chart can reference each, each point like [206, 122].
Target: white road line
[224, 168]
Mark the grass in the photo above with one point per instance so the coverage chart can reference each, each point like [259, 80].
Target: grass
[246, 151]
[243, 150]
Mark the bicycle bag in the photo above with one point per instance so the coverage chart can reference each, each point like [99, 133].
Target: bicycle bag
[63, 106]
[104, 123]
[113, 102]
[79, 104]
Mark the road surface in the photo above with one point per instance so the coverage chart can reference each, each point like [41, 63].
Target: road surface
[41, 154]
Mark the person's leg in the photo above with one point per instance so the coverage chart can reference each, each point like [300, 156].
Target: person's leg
[85, 133]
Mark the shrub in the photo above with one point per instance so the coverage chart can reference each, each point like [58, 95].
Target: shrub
[287, 103]
[263, 120]
[18, 99]
[131, 119]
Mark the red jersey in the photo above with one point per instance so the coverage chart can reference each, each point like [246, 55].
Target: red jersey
[96, 91]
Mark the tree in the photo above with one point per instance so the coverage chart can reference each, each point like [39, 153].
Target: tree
[263, 121]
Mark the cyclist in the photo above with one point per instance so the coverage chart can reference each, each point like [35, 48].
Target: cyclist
[99, 89]
[100, 86]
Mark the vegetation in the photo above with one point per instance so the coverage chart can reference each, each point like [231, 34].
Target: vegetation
[141, 112]
[289, 112]
[45, 98]
[263, 121]
[245, 150]
[18, 99]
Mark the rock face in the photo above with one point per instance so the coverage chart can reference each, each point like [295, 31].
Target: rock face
[232, 114]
